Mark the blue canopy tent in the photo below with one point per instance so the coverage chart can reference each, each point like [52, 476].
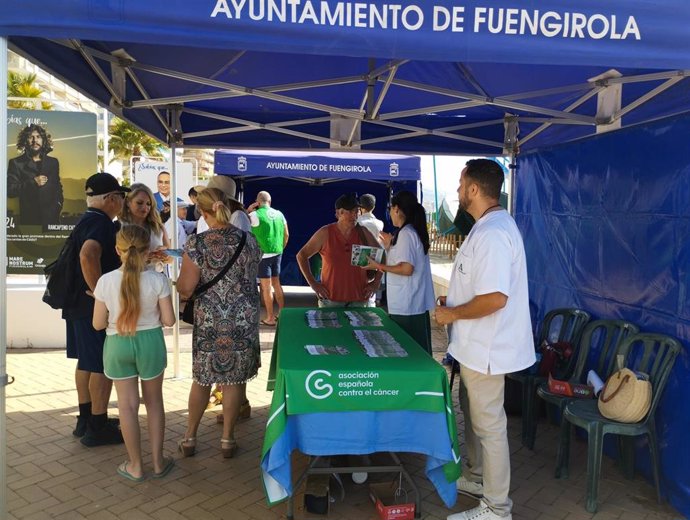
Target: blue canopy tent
[304, 186]
[442, 77]
[473, 77]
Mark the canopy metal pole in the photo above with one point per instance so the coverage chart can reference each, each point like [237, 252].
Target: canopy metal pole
[438, 221]
[3, 278]
[175, 245]
[512, 169]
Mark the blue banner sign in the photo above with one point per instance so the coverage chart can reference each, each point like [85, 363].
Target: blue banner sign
[317, 165]
[620, 33]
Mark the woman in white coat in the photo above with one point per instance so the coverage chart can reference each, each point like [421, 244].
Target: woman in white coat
[409, 286]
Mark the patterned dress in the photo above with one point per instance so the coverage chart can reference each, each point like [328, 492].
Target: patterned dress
[225, 340]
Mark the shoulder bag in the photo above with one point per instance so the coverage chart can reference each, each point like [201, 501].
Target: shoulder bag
[188, 312]
[625, 398]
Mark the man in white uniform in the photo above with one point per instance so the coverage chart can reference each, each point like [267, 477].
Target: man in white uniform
[487, 308]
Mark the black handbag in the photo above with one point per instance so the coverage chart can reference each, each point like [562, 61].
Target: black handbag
[188, 312]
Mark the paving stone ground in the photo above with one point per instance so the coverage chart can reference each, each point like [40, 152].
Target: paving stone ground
[50, 475]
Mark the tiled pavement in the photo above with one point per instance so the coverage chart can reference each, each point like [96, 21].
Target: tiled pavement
[52, 476]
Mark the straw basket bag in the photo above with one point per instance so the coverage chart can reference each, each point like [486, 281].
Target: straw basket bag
[625, 398]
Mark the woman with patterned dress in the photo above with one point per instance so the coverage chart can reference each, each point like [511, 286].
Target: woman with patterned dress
[225, 341]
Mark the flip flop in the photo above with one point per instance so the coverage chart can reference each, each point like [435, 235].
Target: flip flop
[122, 471]
[268, 323]
[167, 468]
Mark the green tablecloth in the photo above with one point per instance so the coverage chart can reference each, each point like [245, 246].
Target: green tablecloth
[355, 381]
[305, 383]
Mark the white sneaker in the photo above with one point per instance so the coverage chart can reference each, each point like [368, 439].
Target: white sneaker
[469, 488]
[481, 512]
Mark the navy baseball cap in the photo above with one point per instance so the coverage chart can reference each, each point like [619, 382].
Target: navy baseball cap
[347, 202]
[102, 183]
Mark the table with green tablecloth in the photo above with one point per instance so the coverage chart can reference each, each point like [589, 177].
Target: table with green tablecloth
[346, 402]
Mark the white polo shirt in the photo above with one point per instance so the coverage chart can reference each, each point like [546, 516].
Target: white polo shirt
[492, 259]
[409, 295]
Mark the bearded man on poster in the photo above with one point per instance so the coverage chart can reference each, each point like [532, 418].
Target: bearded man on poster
[34, 177]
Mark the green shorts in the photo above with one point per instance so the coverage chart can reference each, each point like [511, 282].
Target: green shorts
[142, 355]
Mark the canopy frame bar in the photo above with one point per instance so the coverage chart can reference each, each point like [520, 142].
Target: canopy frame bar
[249, 125]
[387, 75]
[583, 99]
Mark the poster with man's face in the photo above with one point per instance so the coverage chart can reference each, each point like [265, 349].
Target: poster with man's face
[157, 175]
[50, 156]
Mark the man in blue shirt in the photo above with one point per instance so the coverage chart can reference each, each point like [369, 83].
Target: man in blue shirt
[94, 236]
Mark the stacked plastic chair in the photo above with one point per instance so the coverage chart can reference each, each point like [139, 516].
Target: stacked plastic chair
[652, 354]
[569, 324]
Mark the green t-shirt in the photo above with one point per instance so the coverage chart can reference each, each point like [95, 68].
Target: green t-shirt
[270, 233]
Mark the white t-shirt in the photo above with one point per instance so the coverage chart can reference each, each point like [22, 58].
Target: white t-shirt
[409, 295]
[492, 259]
[156, 240]
[152, 287]
[373, 225]
[238, 219]
[241, 220]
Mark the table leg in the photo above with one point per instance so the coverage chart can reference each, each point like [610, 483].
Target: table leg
[291, 499]
[397, 467]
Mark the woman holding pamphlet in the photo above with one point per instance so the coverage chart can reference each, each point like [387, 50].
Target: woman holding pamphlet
[140, 209]
[408, 268]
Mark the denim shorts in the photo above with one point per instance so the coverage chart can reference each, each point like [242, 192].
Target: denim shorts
[142, 355]
[270, 267]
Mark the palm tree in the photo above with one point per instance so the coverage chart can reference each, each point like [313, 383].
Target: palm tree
[127, 141]
[24, 86]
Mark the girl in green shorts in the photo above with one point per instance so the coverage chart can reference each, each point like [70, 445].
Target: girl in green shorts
[132, 303]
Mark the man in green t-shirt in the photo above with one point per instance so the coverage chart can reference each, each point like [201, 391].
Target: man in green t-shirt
[271, 231]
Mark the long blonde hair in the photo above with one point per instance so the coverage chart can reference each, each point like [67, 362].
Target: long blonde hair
[132, 243]
[214, 201]
[153, 219]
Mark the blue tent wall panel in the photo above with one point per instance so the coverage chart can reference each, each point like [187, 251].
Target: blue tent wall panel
[308, 207]
[606, 223]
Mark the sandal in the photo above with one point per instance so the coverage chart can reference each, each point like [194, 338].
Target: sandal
[168, 465]
[245, 413]
[245, 410]
[228, 447]
[123, 472]
[187, 446]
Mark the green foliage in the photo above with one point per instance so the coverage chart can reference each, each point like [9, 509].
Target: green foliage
[127, 141]
[24, 86]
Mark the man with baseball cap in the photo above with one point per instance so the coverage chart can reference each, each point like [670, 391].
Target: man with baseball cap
[342, 284]
[94, 236]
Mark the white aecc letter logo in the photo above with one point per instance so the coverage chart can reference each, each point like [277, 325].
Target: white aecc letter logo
[318, 389]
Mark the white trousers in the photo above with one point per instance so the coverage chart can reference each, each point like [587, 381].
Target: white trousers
[486, 436]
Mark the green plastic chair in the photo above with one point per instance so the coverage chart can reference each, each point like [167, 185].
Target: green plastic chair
[563, 325]
[653, 354]
[601, 336]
